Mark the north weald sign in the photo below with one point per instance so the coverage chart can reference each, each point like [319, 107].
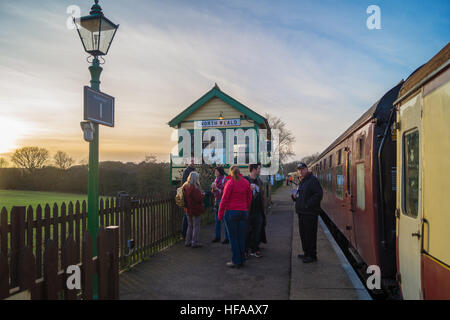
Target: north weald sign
[98, 107]
[218, 123]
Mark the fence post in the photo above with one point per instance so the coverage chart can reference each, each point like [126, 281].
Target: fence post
[27, 272]
[51, 270]
[87, 273]
[113, 272]
[17, 241]
[69, 258]
[102, 264]
[4, 276]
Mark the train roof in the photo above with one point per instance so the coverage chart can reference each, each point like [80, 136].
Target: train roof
[386, 102]
[436, 64]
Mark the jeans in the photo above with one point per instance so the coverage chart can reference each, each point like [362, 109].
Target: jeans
[254, 229]
[236, 222]
[184, 225]
[193, 230]
[218, 222]
[307, 226]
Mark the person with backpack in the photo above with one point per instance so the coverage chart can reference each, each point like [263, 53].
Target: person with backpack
[217, 189]
[193, 200]
[236, 200]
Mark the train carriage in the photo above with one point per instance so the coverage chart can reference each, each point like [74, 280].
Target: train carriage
[423, 197]
[356, 173]
[386, 184]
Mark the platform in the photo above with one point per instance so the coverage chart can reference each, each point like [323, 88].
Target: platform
[201, 274]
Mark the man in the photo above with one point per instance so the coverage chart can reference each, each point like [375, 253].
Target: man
[307, 205]
[256, 212]
[262, 237]
[186, 173]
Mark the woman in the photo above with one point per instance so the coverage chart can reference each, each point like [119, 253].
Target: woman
[217, 189]
[236, 200]
[193, 198]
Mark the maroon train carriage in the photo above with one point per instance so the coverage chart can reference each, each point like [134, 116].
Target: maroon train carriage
[358, 175]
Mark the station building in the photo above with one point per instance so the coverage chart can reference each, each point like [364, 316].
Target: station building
[217, 110]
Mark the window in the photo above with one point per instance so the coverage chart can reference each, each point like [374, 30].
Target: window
[339, 157]
[411, 174]
[330, 163]
[361, 148]
[330, 180]
[349, 176]
[360, 188]
[339, 183]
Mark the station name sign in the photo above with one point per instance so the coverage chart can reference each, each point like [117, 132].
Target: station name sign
[218, 123]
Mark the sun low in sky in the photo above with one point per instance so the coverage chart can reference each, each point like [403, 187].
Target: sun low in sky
[314, 64]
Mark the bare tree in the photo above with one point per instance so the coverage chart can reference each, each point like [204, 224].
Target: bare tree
[286, 138]
[151, 158]
[30, 157]
[310, 159]
[62, 160]
[3, 163]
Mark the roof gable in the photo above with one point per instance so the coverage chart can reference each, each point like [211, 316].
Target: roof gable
[215, 92]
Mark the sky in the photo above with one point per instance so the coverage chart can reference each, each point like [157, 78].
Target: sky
[314, 64]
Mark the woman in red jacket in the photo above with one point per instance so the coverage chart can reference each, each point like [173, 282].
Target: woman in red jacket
[193, 199]
[236, 200]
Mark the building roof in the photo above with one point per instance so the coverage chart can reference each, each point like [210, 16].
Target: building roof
[215, 92]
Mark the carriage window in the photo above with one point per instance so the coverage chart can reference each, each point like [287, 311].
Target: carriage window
[349, 177]
[411, 173]
[360, 188]
[339, 183]
[360, 148]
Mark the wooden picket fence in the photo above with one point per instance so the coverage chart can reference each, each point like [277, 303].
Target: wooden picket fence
[18, 278]
[153, 222]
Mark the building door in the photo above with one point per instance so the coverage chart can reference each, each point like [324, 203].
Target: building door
[409, 198]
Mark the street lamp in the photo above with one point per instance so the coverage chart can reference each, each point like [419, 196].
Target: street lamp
[96, 33]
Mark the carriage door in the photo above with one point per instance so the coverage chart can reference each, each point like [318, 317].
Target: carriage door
[409, 200]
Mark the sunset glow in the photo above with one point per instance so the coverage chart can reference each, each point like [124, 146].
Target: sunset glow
[11, 131]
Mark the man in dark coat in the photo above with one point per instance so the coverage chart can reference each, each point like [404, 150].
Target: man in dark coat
[186, 173]
[307, 206]
[256, 212]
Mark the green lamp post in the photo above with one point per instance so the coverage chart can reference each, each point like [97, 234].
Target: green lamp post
[96, 33]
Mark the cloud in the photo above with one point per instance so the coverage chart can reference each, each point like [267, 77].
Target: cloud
[314, 65]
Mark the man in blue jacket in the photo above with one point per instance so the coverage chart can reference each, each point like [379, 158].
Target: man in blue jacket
[307, 206]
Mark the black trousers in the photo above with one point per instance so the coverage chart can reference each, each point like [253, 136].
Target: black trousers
[307, 227]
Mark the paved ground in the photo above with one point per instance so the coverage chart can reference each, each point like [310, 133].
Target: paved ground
[201, 274]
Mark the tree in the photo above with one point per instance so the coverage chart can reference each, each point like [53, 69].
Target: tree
[62, 160]
[310, 159]
[3, 163]
[30, 157]
[286, 138]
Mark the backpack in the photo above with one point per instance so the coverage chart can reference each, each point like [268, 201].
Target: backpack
[179, 198]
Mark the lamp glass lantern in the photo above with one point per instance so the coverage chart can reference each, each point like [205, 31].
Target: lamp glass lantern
[96, 31]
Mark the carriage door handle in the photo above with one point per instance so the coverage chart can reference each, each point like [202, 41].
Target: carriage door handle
[416, 234]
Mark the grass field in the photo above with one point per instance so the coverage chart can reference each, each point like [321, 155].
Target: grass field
[10, 198]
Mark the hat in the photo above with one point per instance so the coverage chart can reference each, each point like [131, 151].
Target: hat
[302, 165]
